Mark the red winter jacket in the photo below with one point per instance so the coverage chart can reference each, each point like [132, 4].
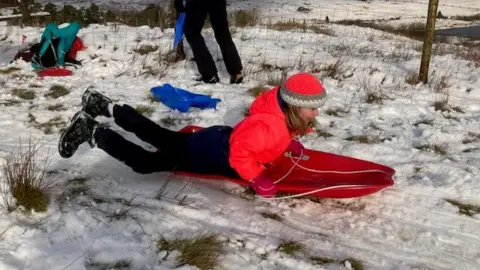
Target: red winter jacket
[260, 138]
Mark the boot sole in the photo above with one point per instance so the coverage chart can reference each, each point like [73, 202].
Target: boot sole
[86, 96]
[61, 147]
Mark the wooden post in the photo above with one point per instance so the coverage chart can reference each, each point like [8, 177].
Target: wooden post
[26, 17]
[428, 41]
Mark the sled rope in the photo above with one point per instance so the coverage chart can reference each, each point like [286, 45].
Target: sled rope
[297, 163]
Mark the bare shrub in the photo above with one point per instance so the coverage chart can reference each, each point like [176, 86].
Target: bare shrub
[412, 78]
[373, 94]
[335, 70]
[26, 182]
[440, 82]
[201, 251]
[243, 17]
[414, 30]
[145, 49]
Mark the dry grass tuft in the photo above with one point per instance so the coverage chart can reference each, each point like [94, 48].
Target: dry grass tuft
[26, 182]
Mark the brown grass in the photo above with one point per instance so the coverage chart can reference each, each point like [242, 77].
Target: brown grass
[26, 179]
[24, 93]
[145, 49]
[257, 90]
[414, 31]
[57, 91]
[201, 251]
[244, 18]
[292, 24]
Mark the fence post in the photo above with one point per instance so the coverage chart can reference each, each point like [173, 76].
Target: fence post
[428, 40]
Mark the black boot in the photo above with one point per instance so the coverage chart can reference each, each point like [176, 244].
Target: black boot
[238, 79]
[211, 80]
[80, 130]
[94, 103]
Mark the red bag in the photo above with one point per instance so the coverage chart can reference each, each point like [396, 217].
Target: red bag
[76, 46]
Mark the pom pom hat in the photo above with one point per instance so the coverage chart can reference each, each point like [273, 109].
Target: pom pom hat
[303, 90]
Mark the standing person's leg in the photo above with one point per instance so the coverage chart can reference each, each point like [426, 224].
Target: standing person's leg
[196, 13]
[219, 20]
[179, 51]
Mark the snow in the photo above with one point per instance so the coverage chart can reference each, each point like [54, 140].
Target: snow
[112, 216]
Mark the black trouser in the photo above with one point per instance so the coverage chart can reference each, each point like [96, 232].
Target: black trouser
[172, 145]
[196, 13]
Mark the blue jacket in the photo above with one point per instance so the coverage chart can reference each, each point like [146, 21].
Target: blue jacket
[208, 151]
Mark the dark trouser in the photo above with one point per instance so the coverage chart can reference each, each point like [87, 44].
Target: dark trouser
[196, 13]
[172, 145]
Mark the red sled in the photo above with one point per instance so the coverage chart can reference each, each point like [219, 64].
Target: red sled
[319, 174]
[54, 72]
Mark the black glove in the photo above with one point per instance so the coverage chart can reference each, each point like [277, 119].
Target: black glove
[179, 7]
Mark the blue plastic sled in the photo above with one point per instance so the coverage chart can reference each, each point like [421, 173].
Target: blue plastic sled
[179, 30]
[182, 100]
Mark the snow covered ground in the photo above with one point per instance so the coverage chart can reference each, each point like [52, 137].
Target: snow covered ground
[103, 216]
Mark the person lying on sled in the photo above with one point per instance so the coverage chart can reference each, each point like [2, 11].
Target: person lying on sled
[275, 118]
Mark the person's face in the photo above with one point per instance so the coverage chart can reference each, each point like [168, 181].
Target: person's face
[308, 114]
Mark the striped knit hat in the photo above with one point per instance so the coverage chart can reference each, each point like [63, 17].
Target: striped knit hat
[303, 90]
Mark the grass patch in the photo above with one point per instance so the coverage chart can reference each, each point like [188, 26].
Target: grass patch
[275, 78]
[362, 139]
[472, 137]
[201, 251]
[353, 263]
[33, 85]
[291, 247]
[271, 216]
[56, 107]
[440, 149]
[293, 24]
[414, 30]
[25, 180]
[374, 98]
[168, 121]
[464, 208]
[121, 264]
[145, 110]
[323, 134]
[335, 70]
[243, 18]
[474, 17]
[9, 70]
[441, 105]
[24, 93]
[440, 82]
[57, 91]
[335, 112]
[9, 102]
[412, 78]
[257, 90]
[322, 260]
[373, 93]
[48, 127]
[145, 49]
[424, 122]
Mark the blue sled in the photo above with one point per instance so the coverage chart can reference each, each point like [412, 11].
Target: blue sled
[182, 100]
[179, 30]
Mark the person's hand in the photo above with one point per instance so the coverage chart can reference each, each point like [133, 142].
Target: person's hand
[263, 186]
[179, 7]
[296, 148]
